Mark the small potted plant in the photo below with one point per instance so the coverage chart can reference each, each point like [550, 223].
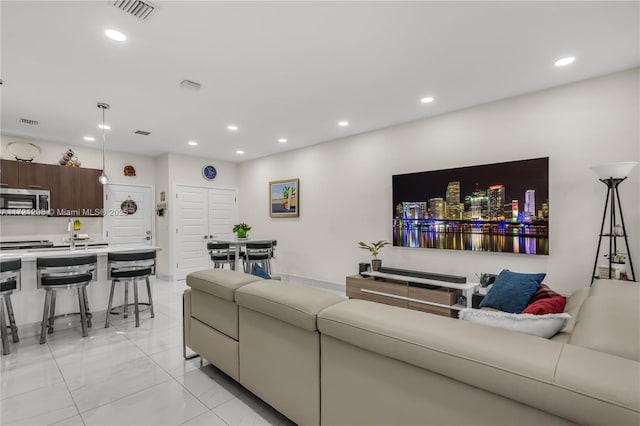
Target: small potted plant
[486, 280]
[241, 230]
[374, 248]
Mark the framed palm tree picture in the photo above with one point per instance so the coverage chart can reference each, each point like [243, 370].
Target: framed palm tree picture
[284, 198]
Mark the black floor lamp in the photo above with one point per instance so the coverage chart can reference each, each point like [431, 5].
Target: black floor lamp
[612, 175]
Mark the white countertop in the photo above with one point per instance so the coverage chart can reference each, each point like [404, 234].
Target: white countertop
[28, 255]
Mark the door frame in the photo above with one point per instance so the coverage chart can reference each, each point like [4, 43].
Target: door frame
[152, 208]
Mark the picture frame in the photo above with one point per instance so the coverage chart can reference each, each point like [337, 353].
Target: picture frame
[498, 207]
[284, 198]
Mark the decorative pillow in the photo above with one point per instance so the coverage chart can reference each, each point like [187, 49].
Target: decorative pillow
[539, 325]
[258, 271]
[550, 305]
[512, 291]
[543, 292]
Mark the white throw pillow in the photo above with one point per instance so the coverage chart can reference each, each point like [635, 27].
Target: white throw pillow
[539, 325]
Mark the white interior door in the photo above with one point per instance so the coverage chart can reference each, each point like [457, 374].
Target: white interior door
[134, 227]
[223, 213]
[191, 230]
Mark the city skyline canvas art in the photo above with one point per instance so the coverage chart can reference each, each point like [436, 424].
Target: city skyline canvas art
[500, 207]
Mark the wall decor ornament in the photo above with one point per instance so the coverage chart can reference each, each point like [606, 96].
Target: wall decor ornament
[500, 207]
[129, 170]
[70, 159]
[129, 206]
[284, 198]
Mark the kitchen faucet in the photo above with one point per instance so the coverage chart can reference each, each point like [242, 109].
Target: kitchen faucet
[72, 240]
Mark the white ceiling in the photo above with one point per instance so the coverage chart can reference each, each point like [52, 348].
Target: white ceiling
[287, 69]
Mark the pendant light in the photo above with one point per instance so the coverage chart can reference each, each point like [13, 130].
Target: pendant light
[103, 177]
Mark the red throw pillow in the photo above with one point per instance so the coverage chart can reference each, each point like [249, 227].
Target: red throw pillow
[550, 305]
[543, 292]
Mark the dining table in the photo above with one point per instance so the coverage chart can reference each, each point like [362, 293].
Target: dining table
[239, 243]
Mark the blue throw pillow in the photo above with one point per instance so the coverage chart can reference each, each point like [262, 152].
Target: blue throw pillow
[512, 291]
[258, 271]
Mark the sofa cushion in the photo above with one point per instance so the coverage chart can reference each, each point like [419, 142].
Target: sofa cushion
[296, 304]
[550, 305]
[543, 292]
[610, 325]
[220, 282]
[574, 302]
[627, 290]
[512, 291]
[539, 325]
[259, 271]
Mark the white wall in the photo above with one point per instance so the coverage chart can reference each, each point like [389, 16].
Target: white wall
[26, 227]
[345, 185]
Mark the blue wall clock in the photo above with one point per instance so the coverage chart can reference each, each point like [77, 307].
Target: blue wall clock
[209, 172]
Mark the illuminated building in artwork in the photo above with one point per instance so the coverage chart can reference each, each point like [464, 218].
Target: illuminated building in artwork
[530, 202]
[514, 210]
[476, 205]
[545, 209]
[453, 210]
[495, 193]
[414, 210]
[436, 208]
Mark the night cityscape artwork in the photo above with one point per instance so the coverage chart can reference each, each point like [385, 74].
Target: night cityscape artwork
[501, 207]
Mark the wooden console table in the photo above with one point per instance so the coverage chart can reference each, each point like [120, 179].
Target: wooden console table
[402, 291]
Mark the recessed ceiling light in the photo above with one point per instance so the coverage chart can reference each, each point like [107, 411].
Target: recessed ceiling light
[564, 61]
[106, 126]
[232, 127]
[193, 143]
[343, 123]
[115, 35]
[239, 151]
[89, 138]
[427, 100]
[282, 140]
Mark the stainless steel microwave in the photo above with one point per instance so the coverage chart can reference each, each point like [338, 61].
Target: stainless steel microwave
[24, 202]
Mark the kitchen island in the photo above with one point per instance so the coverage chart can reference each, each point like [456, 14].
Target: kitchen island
[29, 301]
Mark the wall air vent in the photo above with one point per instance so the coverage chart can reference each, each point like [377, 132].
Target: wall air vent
[29, 122]
[142, 132]
[137, 8]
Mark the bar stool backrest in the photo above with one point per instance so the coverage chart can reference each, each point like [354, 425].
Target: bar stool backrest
[132, 261]
[10, 271]
[259, 251]
[220, 251]
[66, 266]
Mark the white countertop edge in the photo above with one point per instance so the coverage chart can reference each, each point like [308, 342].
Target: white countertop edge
[32, 254]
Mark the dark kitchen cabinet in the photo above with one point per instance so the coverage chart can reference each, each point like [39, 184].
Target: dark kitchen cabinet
[76, 192]
[89, 192]
[24, 175]
[34, 175]
[8, 174]
[63, 193]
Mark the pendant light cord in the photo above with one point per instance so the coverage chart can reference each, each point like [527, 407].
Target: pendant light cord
[104, 138]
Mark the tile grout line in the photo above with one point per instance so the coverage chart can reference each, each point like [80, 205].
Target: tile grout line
[64, 380]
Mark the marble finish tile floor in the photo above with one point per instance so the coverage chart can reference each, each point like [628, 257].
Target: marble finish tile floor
[123, 375]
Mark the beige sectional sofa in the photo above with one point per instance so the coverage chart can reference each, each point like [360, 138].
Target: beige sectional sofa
[321, 359]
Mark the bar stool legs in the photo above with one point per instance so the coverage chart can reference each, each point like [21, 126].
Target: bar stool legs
[136, 302]
[150, 300]
[49, 312]
[5, 301]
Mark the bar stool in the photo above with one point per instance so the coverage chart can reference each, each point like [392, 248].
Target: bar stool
[9, 282]
[221, 254]
[258, 253]
[126, 267]
[68, 272]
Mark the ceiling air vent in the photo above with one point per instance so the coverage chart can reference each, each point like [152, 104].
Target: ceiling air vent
[142, 132]
[140, 9]
[30, 122]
